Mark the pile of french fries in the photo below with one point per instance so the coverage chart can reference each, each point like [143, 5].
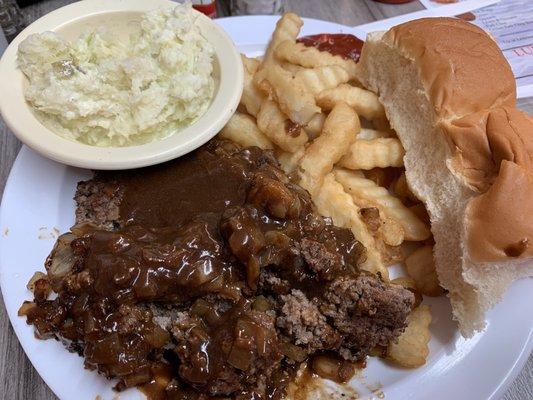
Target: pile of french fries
[332, 136]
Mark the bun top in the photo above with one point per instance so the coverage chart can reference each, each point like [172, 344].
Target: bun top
[461, 67]
[473, 92]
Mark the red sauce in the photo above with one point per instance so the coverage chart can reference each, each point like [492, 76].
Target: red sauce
[339, 44]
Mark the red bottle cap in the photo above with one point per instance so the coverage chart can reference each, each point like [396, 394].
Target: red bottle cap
[208, 9]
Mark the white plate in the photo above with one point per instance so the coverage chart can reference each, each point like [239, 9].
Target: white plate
[38, 198]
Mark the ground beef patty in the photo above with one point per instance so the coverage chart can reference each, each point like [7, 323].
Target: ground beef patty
[211, 275]
[97, 202]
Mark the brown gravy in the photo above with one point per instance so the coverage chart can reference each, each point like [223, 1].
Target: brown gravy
[190, 230]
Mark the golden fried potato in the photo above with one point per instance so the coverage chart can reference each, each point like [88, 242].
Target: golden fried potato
[291, 94]
[412, 350]
[365, 192]
[391, 254]
[368, 154]
[252, 97]
[314, 127]
[401, 189]
[332, 201]
[319, 79]
[280, 129]
[251, 65]
[287, 28]
[388, 235]
[292, 68]
[391, 232]
[242, 129]
[340, 128]
[370, 134]
[311, 57]
[289, 161]
[421, 267]
[363, 101]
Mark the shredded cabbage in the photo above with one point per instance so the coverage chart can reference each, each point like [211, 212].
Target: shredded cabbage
[106, 93]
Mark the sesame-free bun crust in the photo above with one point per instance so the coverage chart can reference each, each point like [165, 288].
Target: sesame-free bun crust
[450, 95]
[461, 68]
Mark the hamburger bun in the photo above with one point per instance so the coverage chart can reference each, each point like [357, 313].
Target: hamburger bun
[450, 95]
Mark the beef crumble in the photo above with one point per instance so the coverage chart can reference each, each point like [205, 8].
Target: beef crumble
[210, 276]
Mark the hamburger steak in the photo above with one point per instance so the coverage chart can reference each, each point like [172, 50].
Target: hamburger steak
[210, 276]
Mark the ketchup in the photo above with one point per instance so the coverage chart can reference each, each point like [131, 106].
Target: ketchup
[338, 44]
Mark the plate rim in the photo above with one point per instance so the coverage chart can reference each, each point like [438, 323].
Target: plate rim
[519, 359]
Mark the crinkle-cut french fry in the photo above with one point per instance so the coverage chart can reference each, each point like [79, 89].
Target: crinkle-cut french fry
[388, 233]
[332, 201]
[252, 97]
[280, 129]
[251, 65]
[292, 68]
[314, 127]
[365, 192]
[411, 350]
[391, 254]
[293, 97]
[363, 101]
[375, 153]
[289, 161]
[318, 79]
[370, 134]
[311, 57]
[420, 266]
[391, 232]
[287, 28]
[401, 189]
[339, 132]
[242, 129]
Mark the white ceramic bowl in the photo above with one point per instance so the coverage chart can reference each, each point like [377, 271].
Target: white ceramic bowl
[70, 22]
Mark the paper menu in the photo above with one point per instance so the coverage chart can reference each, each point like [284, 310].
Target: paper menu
[447, 10]
[510, 22]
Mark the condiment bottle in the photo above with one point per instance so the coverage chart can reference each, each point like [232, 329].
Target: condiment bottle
[208, 7]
